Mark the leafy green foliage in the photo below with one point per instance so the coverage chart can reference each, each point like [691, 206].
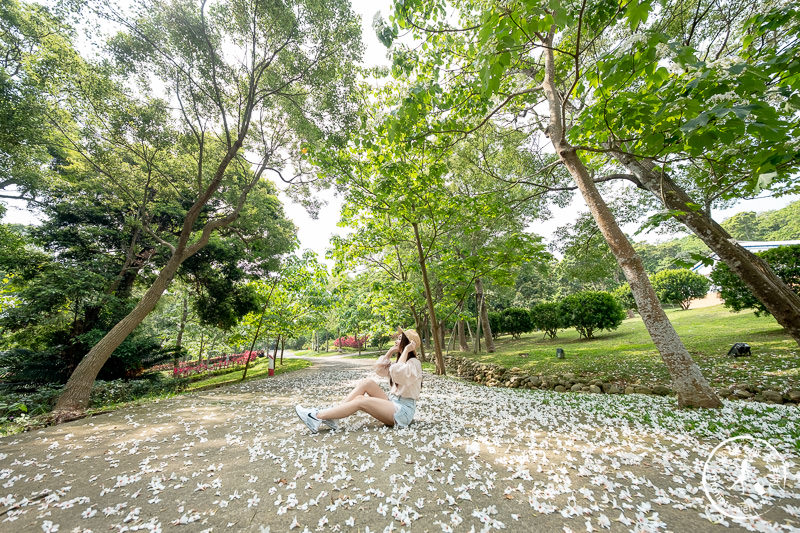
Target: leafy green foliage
[785, 261]
[496, 323]
[548, 317]
[517, 321]
[624, 296]
[588, 311]
[679, 286]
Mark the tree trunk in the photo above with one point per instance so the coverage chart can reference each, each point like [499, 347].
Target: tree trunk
[74, 400]
[202, 345]
[462, 337]
[487, 330]
[258, 329]
[437, 347]
[476, 341]
[779, 299]
[182, 327]
[442, 333]
[689, 384]
[418, 325]
[275, 352]
[283, 345]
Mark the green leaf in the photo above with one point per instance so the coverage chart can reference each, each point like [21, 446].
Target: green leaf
[697, 122]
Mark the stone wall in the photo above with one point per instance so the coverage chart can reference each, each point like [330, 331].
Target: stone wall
[493, 375]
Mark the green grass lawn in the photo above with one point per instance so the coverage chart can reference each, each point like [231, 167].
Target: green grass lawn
[628, 355]
[259, 369]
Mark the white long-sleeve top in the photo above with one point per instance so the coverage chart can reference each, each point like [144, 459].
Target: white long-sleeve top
[406, 376]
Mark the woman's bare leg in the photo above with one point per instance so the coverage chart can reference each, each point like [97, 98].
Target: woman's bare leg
[379, 408]
[369, 387]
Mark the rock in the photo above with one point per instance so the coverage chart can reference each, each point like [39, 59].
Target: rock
[793, 395]
[569, 376]
[595, 389]
[535, 381]
[576, 387]
[560, 388]
[773, 396]
[516, 369]
[639, 389]
[741, 393]
[740, 386]
[662, 390]
[629, 389]
[611, 388]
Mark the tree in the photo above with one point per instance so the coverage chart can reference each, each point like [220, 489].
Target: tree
[517, 321]
[679, 286]
[547, 317]
[725, 127]
[784, 261]
[33, 42]
[281, 70]
[496, 323]
[511, 57]
[588, 311]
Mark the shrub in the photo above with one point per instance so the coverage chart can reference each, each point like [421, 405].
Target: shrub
[784, 261]
[679, 286]
[496, 323]
[517, 321]
[547, 317]
[588, 311]
[379, 340]
[624, 296]
[297, 343]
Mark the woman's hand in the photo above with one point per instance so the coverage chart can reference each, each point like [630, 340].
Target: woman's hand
[393, 350]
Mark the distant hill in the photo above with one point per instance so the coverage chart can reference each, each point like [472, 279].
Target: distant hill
[778, 225]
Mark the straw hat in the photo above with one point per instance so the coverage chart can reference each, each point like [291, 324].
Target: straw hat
[412, 336]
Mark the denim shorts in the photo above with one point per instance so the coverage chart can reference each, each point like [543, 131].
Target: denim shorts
[403, 410]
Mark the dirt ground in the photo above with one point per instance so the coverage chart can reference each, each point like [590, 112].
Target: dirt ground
[475, 459]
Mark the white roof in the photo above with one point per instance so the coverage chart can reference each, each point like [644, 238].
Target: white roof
[752, 246]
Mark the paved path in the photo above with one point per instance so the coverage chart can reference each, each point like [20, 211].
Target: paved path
[476, 458]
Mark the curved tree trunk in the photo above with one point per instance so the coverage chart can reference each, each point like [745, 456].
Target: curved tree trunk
[487, 330]
[691, 387]
[437, 346]
[74, 400]
[780, 300]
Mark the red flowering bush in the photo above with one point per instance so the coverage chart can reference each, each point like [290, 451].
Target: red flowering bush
[188, 368]
[351, 342]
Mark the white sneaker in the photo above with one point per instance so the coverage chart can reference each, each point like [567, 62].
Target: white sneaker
[307, 418]
[330, 423]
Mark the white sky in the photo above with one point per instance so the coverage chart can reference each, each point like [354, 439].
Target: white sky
[315, 234]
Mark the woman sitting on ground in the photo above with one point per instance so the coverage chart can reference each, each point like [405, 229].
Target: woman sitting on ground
[396, 409]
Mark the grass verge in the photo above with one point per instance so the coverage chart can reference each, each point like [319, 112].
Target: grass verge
[165, 388]
[627, 354]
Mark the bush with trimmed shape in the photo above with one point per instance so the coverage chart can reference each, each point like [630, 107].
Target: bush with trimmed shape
[679, 286]
[588, 311]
